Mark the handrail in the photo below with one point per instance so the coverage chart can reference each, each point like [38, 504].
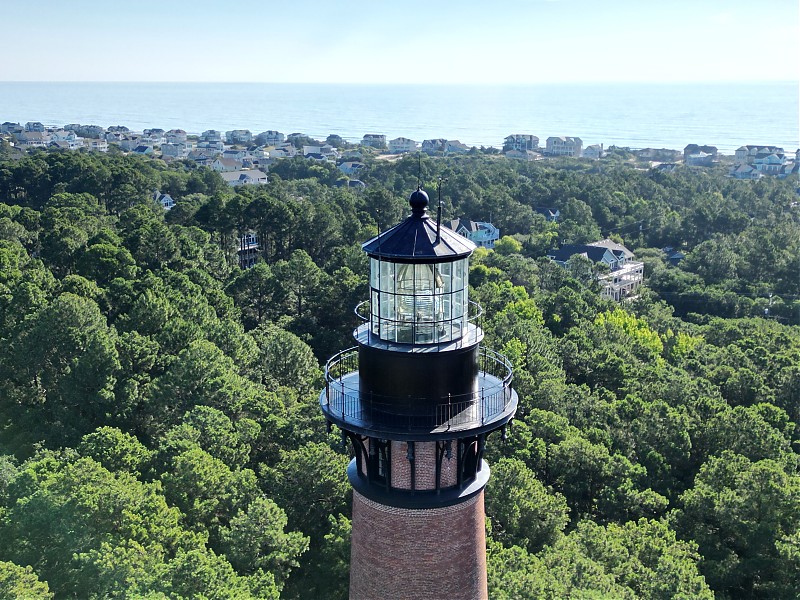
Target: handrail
[344, 400]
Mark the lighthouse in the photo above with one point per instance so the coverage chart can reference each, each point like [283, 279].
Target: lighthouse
[417, 397]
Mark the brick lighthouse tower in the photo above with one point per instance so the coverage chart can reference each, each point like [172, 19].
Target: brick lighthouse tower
[417, 397]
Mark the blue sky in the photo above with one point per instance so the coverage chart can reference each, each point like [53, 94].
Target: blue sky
[408, 41]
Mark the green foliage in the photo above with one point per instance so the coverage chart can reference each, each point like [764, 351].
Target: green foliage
[183, 391]
[21, 582]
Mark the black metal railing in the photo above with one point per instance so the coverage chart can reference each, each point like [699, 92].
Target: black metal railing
[343, 399]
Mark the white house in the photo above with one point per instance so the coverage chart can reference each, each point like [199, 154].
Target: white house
[165, 200]
[625, 276]
[564, 146]
[234, 178]
[595, 151]
[93, 145]
[401, 145]
[224, 165]
[482, 234]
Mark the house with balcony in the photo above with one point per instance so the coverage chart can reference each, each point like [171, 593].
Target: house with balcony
[270, 138]
[248, 250]
[482, 234]
[564, 146]
[239, 136]
[521, 142]
[33, 139]
[374, 140]
[96, 145]
[625, 275]
[401, 145]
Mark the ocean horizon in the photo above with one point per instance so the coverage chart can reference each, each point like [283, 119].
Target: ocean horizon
[637, 115]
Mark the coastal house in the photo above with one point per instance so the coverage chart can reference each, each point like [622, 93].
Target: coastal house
[625, 274]
[224, 165]
[175, 150]
[401, 145]
[143, 149]
[455, 147]
[87, 131]
[236, 178]
[351, 167]
[32, 139]
[200, 157]
[270, 138]
[374, 140]
[672, 256]
[34, 126]
[595, 152]
[335, 140]
[234, 153]
[155, 134]
[521, 142]
[551, 214]
[745, 171]
[96, 145]
[283, 151]
[700, 159]
[165, 200]
[176, 136]
[248, 250]
[691, 149]
[129, 142]
[433, 146]
[239, 136]
[769, 164]
[12, 128]
[211, 135]
[482, 234]
[216, 147]
[564, 146]
[747, 154]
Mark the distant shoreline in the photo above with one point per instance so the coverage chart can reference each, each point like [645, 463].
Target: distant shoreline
[641, 115]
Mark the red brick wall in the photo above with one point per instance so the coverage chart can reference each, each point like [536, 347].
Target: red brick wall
[421, 554]
[424, 468]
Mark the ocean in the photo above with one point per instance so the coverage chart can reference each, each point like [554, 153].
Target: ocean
[624, 114]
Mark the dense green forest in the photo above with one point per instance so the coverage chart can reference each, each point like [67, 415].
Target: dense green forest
[160, 435]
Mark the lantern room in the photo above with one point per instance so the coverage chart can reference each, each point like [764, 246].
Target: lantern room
[419, 280]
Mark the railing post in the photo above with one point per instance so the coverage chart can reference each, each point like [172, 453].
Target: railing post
[483, 413]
